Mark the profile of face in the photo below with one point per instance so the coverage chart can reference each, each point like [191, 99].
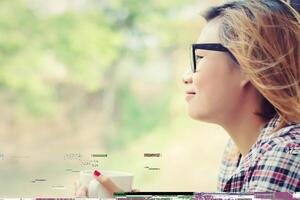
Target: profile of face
[216, 91]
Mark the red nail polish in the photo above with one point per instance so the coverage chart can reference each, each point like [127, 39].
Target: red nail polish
[97, 173]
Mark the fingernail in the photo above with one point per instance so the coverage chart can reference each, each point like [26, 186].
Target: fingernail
[97, 173]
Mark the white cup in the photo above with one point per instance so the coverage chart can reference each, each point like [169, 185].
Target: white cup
[123, 180]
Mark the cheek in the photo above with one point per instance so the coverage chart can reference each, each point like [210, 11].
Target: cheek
[209, 83]
[216, 91]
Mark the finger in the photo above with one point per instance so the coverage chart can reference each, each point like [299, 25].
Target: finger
[82, 192]
[75, 188]
[107, 183]
[77, 185]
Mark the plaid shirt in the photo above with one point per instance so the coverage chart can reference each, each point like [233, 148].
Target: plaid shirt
[272, 164]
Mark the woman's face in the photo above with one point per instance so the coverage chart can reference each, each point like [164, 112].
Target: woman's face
[214, 92]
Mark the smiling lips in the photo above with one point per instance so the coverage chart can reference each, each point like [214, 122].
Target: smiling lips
[189, 95]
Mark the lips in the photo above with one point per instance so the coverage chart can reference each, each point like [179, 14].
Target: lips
[189, 95]
[190, 92]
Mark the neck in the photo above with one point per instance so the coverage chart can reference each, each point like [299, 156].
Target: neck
[244, 126]
[245, 131]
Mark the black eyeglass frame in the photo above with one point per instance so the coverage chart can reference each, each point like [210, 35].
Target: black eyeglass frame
[208, 46]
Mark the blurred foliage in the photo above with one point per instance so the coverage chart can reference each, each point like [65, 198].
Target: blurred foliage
[137, 118]
[92, 50]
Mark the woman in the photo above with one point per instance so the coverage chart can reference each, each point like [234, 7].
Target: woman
[245, 77]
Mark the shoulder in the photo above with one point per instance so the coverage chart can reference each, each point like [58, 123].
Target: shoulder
[277, 165]
[282, 140]
[282, 149]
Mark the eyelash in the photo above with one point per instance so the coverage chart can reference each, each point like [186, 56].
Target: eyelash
[198, 57]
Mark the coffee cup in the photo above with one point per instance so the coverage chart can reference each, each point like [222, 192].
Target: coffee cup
[123, 180]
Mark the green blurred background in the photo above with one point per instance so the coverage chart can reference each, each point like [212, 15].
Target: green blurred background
[83, 77]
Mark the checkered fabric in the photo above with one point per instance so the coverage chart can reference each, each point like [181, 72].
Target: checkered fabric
[272, 164]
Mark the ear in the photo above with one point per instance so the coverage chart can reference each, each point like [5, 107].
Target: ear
[245, 80]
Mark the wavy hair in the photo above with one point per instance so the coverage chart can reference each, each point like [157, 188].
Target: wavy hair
[264, 36]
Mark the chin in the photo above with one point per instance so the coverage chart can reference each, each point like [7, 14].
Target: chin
[203, 117]
[196, 115]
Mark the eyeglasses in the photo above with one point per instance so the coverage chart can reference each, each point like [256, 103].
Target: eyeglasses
[207, 46]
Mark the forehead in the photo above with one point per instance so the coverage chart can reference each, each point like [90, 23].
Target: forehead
[210, 32]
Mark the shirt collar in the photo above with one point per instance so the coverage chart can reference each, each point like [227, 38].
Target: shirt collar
[267, 129]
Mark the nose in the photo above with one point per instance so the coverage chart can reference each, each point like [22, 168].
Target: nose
[187, 77]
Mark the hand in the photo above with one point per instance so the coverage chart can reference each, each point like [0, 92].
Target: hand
[81, 191]
[108, 184]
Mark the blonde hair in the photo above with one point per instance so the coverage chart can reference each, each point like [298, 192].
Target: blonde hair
[264, 36]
